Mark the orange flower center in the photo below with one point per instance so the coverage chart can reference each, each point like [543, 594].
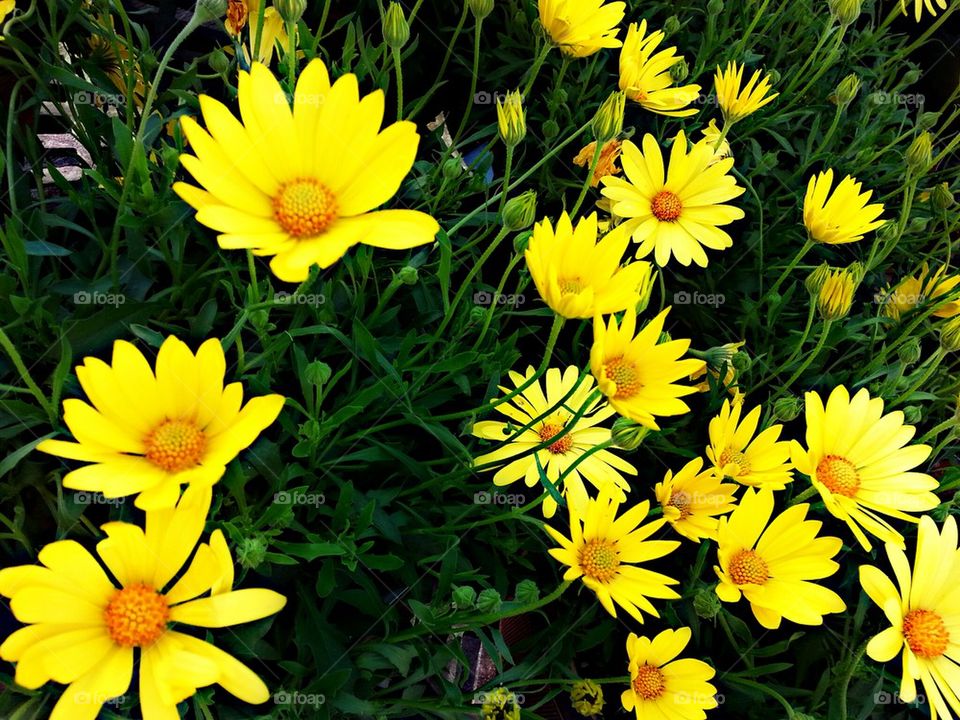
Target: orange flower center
[649, 682]
[625, 375]
[839, 475]
[666, 206]
[570, 286]
[562, 445]
[737, 458]
[680, 499]
[748, 567]
[926, 633]
[175, 445]
[599, 560]
[136, 616]
[304, 208]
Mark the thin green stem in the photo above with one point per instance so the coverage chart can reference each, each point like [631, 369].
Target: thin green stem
[807, 362]
[588, 182]
[508, 165]
[24, 373]
[807, 245]
[397, 67]
[478, 25]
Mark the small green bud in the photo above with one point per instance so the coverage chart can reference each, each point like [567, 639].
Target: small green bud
[251, 552]
[816, 279]
[910, 352]
[680, 70]
[451, 168]
[846, 91]
[480, 8]
[607, 124]
[928, 120]
[310, 430]
[741, 362]
[706, 604]
[477, 314]
[950, 334]
[521, 240]
[773, 76]
[520, 212]
[317, 373]
[920, 154]
[671, 26]
[550, 129]
[207, 10]
[489, 601]
[290, 10]
[408, 275]
[845, 11]
[912, 414]
[396, 29]
[219, 62]
[911, 76]
[527, 592]
[917, 225]
[941, 197]
[715, 7]
[787, 408]
[627, 434]
[464, 596]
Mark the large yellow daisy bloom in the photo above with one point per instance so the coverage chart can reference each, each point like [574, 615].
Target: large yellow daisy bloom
[841, 217]
[737, 102]
[677, 212]
[693, 499]
[579, 277]
[924, 616]
[146, 433]
[581, 27]
[661, 686]
[772, 566]
[82, 628]
[302, 185]
[645, 74]
[637, 372]
[860, 462]
[602, 468]
[918, 6]
[604, 551]
[761, 461]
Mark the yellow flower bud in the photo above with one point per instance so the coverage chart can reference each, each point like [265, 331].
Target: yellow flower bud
[836, 295]
[511, 118]
[920, 153]
[396, 29]
[608, 122]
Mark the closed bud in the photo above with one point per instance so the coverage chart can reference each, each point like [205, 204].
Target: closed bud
[521, 240]
[310, 430]
[911, 76]
[715, 7]
[680, 71]
[846, 91]
[317, 373]
[741, 362]
[520, 212]
[207, 10]
[917, 225]
[836, 295]
[787, 408]
[627, 434]
[910, 352]
[845, 11]
[452, 168]
[408, 275]
[464, 596]
[941, 197]
[706, 604]
[587, 698]
[480, 8]
[290, 10]
[912, 414]
[928, 120]
[511, 119]
[477, 314]
[950, 334]
[550, 129]
[671, 26]
[645, 290]
[920, 154]
[251, 552]
[489, 601]
[773, 75]
[527, 592]
[721, 355]
[219, 62]
[816, 279]
[396, 29]
[607, 124]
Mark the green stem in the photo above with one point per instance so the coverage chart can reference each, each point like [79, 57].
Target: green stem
[535, 70]
[792, 266]
[588, 182]
[26, 377]
[399, 72]
[473, 80]
[847, 676]
[806, 363]
[933, 362]
[805, 495]
[292, 60]
[493, 306]
[506, 180]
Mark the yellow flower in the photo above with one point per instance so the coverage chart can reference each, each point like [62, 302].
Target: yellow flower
[237, 16]
[645, 76]
[6, 7]
[602, 468]
[603, 550]
[500, 704]
[924, 616]
[761, 461]
[581, 27]
[587, 698]
[273, 35]
[511, 118]
[678, 212]
[835, 296]
[662, 686]
[912, 291]
[918, 8]
[149, 433]
[579, 277]
[638, 374]
[82, 627]
[844, 216]
[772, 566]
[859, 461]
[302, 185]
[711, 136]
[737, 103]
[110, 53]
[692, 500]
[607, 163]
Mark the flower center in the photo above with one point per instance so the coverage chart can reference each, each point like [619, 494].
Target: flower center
[599, 560]
[136, 616]
[666, 206]
[175, 445]
[570, 286]
[926, 633]
[649, 682]
[737, 458]
[562, 445]
[681, 500]
[624, 375]
[839, 475]
[304, 208]
[746, 567]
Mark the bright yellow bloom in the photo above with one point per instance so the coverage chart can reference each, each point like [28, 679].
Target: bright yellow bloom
[835, 296]
[735, 103]
[274, 33]
[6, 7]
[842, 217]
[601, 469]
[859, 461]
[645, 76]
[912, 291]
[582, 27]
[603, 550]
[82, 627]
[773, 565]
[662, 686]
[579, 277]
[761, 461]
[692, 500]
[924, 616]
[606, 164]
[302, 185]
[711, 136]
[511, 118]
[918, 9]
[678, 212]
[638, 374]
[150, 433]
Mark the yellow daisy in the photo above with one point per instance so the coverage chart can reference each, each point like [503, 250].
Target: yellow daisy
[581, 27]
[82, 627]
[645, 76]
[842, 217]
[604, 551]
[638, 374]
[600, 469]
[302, 185]
[579, 276]
[772, 566]
[147, 433]
[761, 461]
[678, 212]
[859, 461]
[737, 103]
[918, 10]
[924, 616]
[692, 500]
[913, 291]
[662, 686]
[713, 135]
